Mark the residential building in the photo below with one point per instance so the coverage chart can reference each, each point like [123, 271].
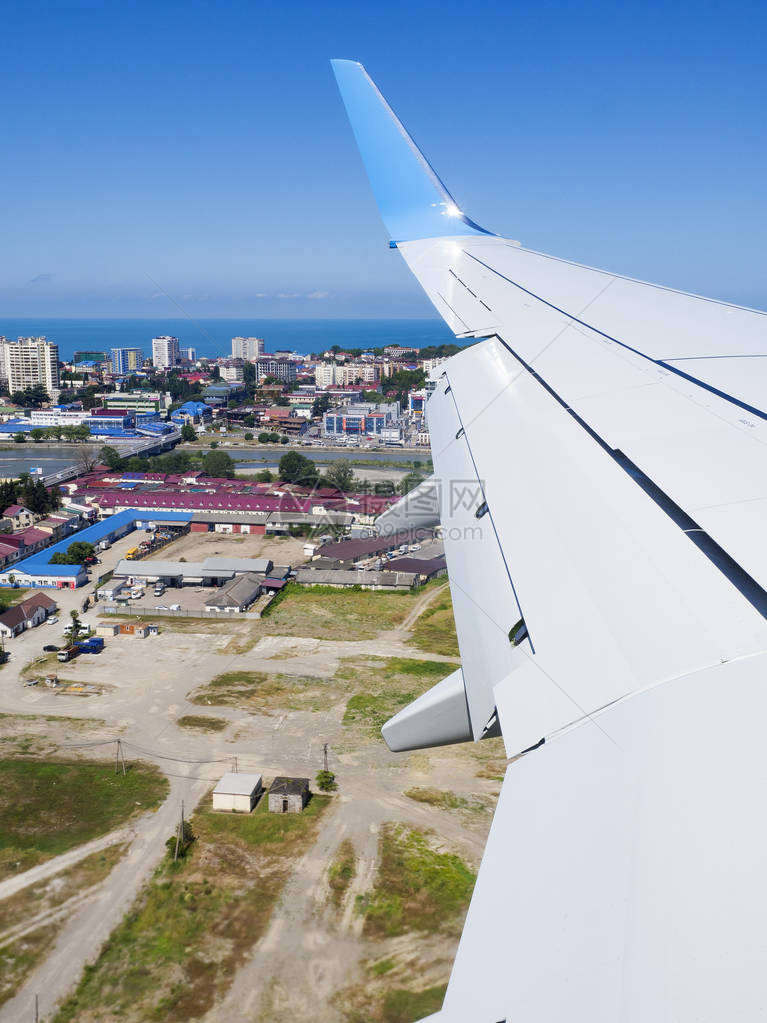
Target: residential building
[281, 369]
[429, 365]
[329, 374]
[231, 372]
[27, 614]
[165, 352]
[190, 354]
[249, 348]
[127, 360]
[400, 352]
[29, 362]
[20, 516]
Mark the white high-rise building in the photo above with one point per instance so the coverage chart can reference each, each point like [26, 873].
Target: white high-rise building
[165, 352]
[190, 354]
[249, 348]
[31, 361]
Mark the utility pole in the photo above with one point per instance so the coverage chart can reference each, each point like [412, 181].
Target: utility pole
[119, 757]
[37, 1010]
[234, 769]
[325, 754]
[180, 831]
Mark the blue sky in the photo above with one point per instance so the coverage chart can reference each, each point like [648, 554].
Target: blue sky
[205, 144]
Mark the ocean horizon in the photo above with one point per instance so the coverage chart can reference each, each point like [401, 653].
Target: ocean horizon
[213, 337]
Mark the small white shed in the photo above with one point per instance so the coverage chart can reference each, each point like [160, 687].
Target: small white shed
[237, 792]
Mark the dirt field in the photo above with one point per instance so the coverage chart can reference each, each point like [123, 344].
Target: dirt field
[270, 694]
[286, 550]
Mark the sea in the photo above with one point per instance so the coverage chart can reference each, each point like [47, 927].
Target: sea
[213, 337]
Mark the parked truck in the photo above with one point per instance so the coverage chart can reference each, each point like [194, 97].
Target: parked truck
[92, 645]
[67, 653]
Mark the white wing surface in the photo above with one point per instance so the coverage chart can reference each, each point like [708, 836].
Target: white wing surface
[601, 459]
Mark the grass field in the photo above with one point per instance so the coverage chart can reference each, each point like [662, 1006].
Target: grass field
[201, 723]
[10, 596]
[51, 806]
[258, 691]
[325, 612]
[399, 1005]
[434, 630]
[181, 943]
[341, 872]
[374, 687]
[417, 887]
[446, 800]
[384, 685]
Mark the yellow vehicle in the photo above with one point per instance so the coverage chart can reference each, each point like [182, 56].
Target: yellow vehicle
[131, 554]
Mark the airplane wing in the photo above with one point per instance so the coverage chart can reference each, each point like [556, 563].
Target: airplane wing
[600, 458]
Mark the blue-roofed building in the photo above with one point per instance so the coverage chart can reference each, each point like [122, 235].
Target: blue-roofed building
[192, 412]
[37, 570]
[16, 426]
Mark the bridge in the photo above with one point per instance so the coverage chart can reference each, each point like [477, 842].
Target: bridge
[127, 449]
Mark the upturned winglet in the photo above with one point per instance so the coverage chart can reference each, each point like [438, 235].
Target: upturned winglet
[412, 200]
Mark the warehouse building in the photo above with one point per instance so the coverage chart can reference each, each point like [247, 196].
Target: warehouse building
[236, 595]
[211, 572]
[345, 577]
[237, 793]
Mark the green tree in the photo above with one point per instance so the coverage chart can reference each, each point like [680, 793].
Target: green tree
[248, 436]
[37, 435]
[77, 626]
[218, 463]
[320, 406]
[31, 397]
[297, 468]
[264, 476]
[75, 554]
[110, 456]
[284, 439]
[263, 437]
[214, 444]
[188, 432]
[326, 781]
[340, 474]
[20, 437]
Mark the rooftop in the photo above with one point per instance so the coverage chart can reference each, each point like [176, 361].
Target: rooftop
[237, 784]
[289, 786]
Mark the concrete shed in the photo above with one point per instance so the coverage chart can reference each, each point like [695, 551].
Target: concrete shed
[107, 629]
[237, 792]
[288, 795]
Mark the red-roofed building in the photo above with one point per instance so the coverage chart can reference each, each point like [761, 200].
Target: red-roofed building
[19, 516]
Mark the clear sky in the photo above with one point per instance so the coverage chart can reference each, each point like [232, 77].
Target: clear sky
[205, 144]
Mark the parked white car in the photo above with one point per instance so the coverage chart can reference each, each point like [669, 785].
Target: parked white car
[174, 607]
[52, 620]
